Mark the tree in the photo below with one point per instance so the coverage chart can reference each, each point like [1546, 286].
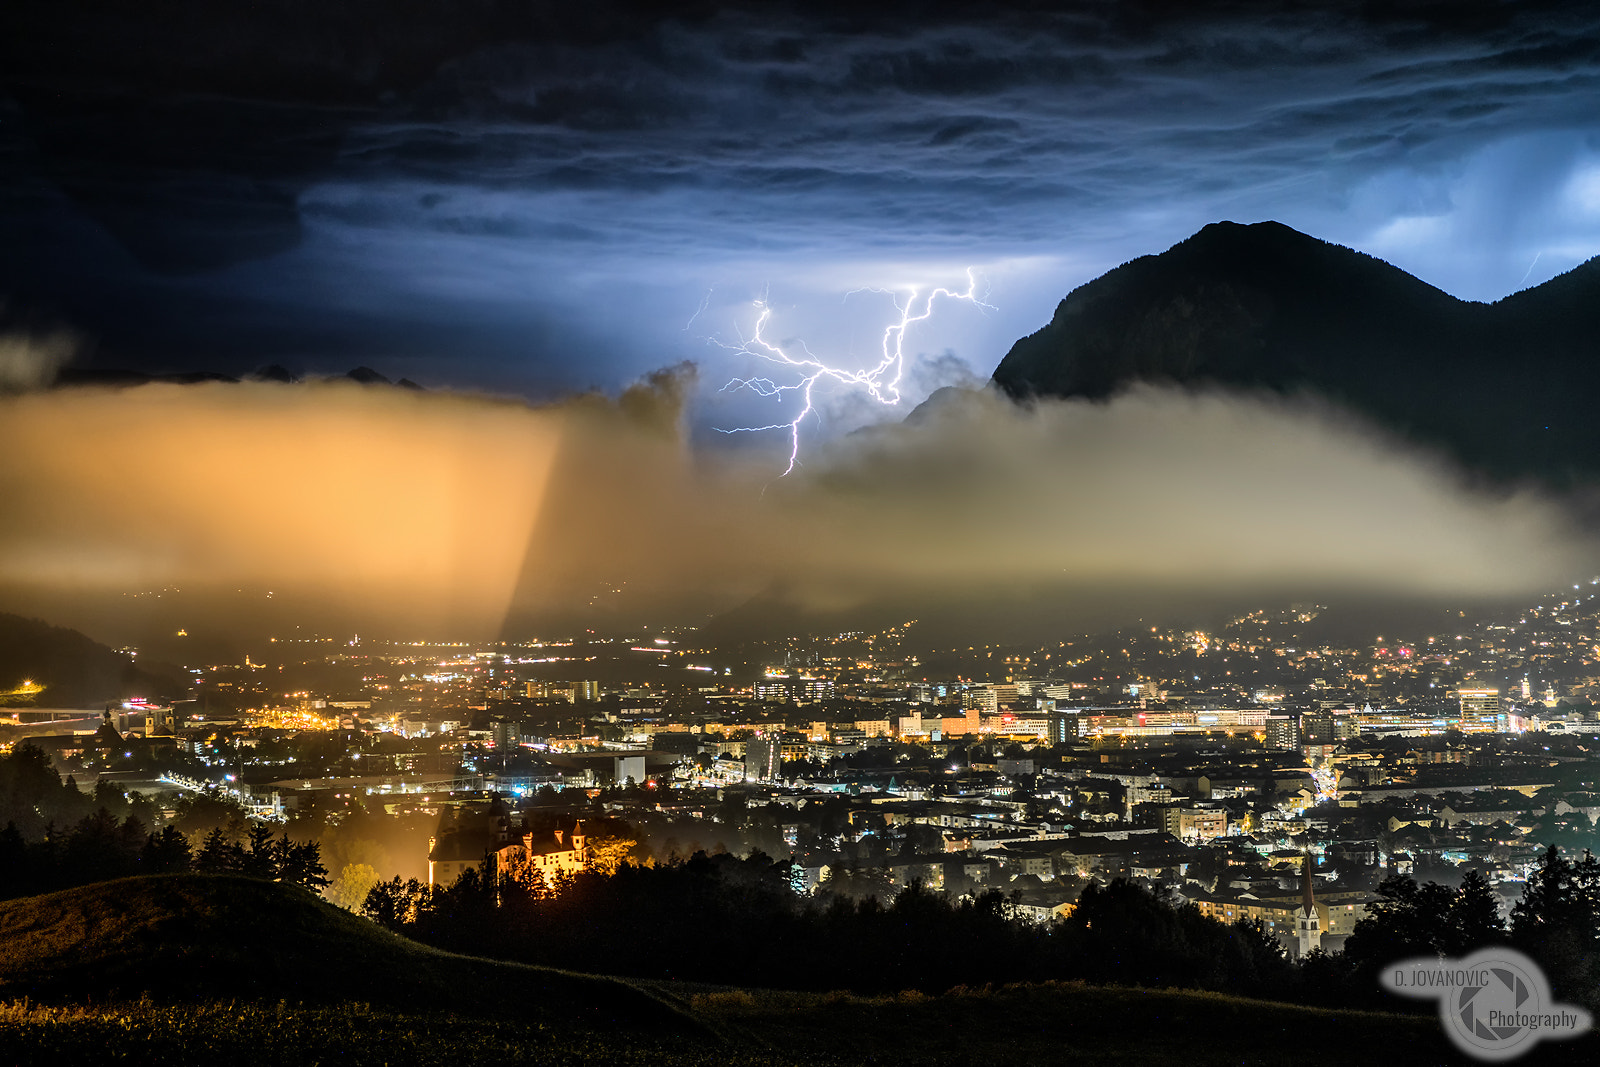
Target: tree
[1408, 920]
[922, 838]
[259, 858]
[218, 855]
[858, 883]
[1125, 933]
[606, 853]
[353, 885]
[165, 852]
[199, 813]
[1473, 919]
[300, 864]
[1557, 922]
[386, 904]
[1587, 876]
[32, 794]
[1548, 899]
[100, 847]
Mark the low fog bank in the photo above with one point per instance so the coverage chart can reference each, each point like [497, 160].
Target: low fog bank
[428, 514]
[1087, 510]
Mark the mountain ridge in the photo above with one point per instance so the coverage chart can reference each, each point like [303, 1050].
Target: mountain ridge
[1503, 387]
[55, 666]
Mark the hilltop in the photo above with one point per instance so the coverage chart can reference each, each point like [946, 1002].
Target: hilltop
[221, 968]
[1505, 388]
[221, 936]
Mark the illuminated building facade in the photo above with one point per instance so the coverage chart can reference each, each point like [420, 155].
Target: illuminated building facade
[1480, 712]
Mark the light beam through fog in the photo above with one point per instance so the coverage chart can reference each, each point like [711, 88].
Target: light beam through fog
[881, 382]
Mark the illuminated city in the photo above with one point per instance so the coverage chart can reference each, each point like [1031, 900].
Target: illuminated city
[722, 534]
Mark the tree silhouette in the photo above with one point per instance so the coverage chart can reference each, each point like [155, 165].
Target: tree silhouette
[166, 852]
[1473, 919]
[1557, 920]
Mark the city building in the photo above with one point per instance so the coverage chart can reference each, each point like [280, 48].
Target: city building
[763, 757]
[1480, 712]
[492, 839]
[1194, 823]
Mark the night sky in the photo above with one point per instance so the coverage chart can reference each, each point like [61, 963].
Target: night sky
[535, 202]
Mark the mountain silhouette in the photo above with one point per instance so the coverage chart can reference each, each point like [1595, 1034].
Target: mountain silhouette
[1506, 388]
[70, 670]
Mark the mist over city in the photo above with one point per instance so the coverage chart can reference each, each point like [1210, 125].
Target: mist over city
[798, 533]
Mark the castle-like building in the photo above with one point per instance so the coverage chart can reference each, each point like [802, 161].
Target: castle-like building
[498, 837]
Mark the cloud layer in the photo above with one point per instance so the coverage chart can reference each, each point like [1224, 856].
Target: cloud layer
[416, 512]
[537, 204]
[975, 497]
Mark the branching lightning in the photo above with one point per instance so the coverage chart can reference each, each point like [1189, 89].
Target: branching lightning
[882, 381]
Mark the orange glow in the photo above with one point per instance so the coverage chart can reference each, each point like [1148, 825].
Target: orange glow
[372, 497]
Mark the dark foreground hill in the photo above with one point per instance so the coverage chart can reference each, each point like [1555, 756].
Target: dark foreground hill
[192, 935]
[1509, 388]
[195, 969]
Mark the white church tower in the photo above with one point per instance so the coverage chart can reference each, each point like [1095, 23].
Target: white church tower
[1308, 926]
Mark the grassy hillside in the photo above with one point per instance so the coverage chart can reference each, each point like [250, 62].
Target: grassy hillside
[1038, 1026]
[1073, 1025]
[219, 936]
[197, 969]
[269, 1033]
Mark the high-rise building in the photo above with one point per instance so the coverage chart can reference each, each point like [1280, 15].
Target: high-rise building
[1283, 731]
[967, 723]
[763, 756]
[1328, 726]
[914, 725]
[1065, 726]
[508, 733]
[1480, 712]
[1194, 823]
[986, 701]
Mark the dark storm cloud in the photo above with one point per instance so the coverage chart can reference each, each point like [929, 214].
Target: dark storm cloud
[996, 130]
[402, 152]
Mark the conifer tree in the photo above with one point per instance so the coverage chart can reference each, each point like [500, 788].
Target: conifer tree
[218, 855]
[1473, 920]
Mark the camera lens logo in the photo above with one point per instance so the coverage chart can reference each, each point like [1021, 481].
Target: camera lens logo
[1495, 1004]
[1506, 995]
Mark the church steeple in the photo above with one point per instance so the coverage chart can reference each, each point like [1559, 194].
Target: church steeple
[1308, 899]
[1308, 925]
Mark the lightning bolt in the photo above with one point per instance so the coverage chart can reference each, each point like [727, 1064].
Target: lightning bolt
[1532, 265]
[705, 302]
[882, 381]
